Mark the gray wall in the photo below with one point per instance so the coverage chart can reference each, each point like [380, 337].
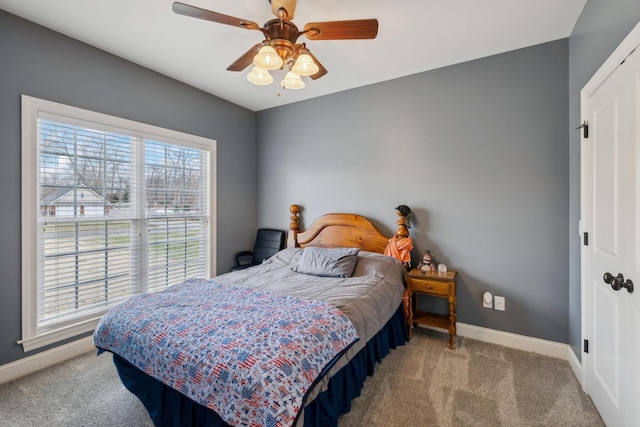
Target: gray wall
[599, 30]
[478, 151]
[45, 64]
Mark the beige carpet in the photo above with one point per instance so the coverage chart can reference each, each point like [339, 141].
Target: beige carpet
[422, 383]
[425, 383]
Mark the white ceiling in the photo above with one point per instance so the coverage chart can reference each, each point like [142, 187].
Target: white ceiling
[413, 36]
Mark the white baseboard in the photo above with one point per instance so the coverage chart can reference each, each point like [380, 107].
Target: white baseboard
[520, 342]
[576, 366]
[45, 359]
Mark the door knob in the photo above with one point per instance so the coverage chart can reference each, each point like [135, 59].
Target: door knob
[618, 282]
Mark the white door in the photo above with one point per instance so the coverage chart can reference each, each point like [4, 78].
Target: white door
[612, 255]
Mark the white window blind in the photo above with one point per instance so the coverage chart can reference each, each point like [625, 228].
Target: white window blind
[120, 211]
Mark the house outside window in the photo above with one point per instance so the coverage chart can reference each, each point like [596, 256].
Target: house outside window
[111, 208]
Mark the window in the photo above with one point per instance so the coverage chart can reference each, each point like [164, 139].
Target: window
[111, 208]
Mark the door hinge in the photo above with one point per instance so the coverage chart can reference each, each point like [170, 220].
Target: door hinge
[585, 239]
[585, 129]
[586, 346]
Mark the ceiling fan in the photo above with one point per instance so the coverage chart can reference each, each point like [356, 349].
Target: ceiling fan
[280, 48]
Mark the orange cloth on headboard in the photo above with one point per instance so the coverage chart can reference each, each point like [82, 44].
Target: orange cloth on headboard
[400, 248]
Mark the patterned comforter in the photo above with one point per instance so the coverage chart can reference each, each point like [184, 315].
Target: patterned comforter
[249, 355]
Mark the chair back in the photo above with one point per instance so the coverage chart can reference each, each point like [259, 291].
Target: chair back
[268, 243]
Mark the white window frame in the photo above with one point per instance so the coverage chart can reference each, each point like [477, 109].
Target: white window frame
[32, 109]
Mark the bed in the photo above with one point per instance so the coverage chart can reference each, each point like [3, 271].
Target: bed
[357, 320]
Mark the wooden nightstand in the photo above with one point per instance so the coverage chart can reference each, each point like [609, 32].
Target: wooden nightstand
[434, 284]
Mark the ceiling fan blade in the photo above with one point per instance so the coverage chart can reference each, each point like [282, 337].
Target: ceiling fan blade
[288, 5]
[342, 30]
[246, 59]
[196, 12]
[321, 72]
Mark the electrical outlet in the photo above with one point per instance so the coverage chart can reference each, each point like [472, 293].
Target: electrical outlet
[487, 300]
[500, 303]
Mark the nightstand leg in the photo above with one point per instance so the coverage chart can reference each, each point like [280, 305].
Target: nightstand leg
[452, 322]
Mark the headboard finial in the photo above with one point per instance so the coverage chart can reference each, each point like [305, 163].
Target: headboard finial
[294, 226]
[403, 212]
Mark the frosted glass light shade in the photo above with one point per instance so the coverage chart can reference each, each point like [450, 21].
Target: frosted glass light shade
[259, 76]
[292, 81]
[305, 66]
[267, 58]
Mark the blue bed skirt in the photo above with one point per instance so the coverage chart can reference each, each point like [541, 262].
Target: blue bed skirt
[169, 408]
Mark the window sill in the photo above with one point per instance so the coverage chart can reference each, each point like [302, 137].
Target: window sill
[51, 337]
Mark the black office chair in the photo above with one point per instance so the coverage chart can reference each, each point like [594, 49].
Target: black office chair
[268, 243]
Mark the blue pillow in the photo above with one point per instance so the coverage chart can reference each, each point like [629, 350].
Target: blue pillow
[326, 262]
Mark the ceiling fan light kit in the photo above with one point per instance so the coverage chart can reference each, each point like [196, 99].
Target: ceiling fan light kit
[279, 50]
[304, 65]
[292, 81]
[267, 58]
[259, 76]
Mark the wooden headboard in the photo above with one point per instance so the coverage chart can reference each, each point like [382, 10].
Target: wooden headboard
[336, 230]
